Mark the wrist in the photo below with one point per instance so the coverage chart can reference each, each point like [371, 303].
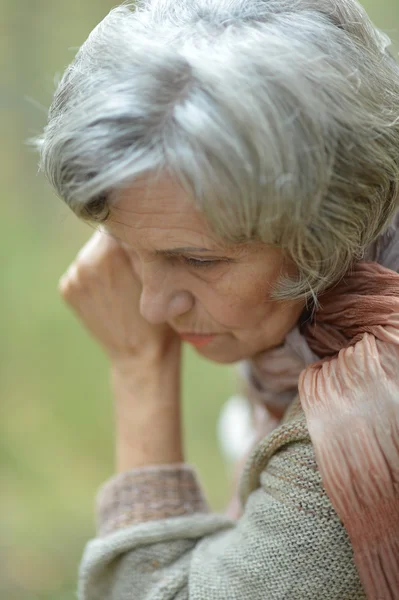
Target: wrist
[147, 410]
[155, 357]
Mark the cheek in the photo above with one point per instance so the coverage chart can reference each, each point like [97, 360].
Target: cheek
[239, 306]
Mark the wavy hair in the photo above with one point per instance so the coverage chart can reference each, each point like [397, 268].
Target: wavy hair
[280, 118]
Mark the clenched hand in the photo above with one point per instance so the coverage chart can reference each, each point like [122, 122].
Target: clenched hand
[103, 289]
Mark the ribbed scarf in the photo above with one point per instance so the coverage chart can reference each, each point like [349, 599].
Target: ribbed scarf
[344, 363]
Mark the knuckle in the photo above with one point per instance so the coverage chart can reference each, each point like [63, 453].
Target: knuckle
[98, 254]
[65, 288]
[69, 281]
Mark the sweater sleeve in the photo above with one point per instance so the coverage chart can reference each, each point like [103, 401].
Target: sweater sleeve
[157, 539]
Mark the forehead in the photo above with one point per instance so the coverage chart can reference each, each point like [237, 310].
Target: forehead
[158, 209]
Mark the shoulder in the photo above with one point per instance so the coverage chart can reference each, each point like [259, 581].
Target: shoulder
[289, 531]
[284, 465]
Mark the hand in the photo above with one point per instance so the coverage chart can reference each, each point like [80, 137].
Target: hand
[102, 287]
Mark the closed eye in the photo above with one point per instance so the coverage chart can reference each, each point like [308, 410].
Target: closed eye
[199, 263]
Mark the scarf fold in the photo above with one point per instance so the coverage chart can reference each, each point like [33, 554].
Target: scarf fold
[345, 365]
[351, 404]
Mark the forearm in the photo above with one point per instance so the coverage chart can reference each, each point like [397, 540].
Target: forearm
[147, 411]
[152, 482]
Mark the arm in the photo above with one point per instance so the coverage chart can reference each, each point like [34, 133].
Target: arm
[147, 411]
[289, 543]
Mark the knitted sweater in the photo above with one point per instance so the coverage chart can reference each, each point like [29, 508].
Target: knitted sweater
[157, 539]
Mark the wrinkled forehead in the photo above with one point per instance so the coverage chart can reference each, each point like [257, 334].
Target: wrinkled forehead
[159, 210]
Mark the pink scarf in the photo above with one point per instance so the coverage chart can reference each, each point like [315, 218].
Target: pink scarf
[345, 365]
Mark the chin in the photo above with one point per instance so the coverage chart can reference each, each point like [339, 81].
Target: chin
[226, 357]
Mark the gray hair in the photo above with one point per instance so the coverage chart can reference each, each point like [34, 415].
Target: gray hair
[280, 117]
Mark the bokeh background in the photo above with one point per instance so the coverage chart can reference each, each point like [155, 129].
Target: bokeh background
[56, 422]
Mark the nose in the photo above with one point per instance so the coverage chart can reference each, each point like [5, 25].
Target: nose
[162, 301]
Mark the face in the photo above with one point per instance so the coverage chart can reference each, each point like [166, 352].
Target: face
[215, 296]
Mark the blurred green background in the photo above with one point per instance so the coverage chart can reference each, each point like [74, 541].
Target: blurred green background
[56, 427]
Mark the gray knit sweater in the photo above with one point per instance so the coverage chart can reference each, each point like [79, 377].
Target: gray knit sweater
[157, 539]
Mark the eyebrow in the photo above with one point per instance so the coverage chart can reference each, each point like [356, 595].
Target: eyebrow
[183, 250]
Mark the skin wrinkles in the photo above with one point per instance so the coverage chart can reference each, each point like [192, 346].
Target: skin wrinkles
[231, 298]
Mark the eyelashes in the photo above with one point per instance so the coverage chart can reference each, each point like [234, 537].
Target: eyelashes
[203, 264]
[197, 263]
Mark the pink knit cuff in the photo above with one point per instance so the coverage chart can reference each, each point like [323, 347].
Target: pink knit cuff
[148, 494]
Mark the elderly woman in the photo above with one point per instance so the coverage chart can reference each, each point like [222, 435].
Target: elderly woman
[241, 160]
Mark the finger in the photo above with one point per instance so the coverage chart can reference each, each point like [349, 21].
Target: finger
[68, 279]
[99, 246]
